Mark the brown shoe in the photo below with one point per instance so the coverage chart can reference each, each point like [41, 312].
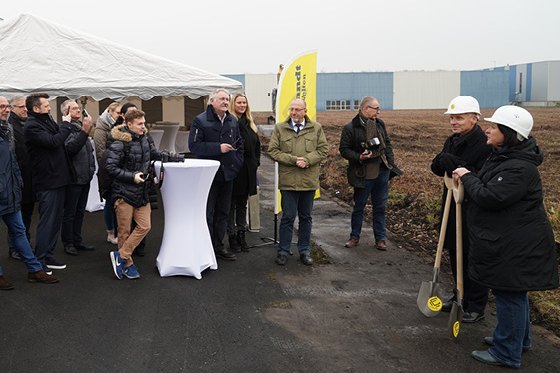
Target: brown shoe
[41, 276]
[5, 284]
[381, 245]
[352, 242]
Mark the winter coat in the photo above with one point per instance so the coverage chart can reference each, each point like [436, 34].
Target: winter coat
[10, 177]
[50, 163]
[512, 244]
[206, 135]
[351, 139]
[24, 162]
[80, 150]
[101, 135]
[469, 151]
[286, 146]
[122, 167]
[245, 184]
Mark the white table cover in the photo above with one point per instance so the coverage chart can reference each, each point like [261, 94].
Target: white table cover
[186, 248]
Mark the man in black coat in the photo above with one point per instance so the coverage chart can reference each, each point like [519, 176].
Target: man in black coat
[466, 147]
[215, 135]
[16, 120]
[364, 142]
[75, 201]
[52, 172]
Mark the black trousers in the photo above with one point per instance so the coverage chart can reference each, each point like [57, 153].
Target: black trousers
[73, 217]
[217, 211]
[51, 208]
[475, 295]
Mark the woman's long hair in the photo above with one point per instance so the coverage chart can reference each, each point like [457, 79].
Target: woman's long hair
[247, 112]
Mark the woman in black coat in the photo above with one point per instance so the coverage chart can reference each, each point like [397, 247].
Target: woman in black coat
[512, 243]
[245, 184]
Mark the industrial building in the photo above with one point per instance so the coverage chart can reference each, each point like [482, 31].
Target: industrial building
[531, 84]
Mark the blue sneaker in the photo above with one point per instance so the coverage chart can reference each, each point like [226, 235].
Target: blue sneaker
[131, 272]
[118, 263]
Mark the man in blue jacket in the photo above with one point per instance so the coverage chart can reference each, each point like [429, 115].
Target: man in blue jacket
[10, 204]
[215, 135]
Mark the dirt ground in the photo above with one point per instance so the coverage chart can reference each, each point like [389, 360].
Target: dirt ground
[414, 201]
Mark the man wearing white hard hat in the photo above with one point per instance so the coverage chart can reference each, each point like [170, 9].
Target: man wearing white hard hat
[512, 243]
[466, 147]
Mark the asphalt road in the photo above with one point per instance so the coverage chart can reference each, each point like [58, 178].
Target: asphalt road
[357, 314]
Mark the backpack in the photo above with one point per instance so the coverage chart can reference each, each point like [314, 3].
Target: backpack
[106, 180]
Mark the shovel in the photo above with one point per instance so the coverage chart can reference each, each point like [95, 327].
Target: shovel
[429, 301]
[456, 315]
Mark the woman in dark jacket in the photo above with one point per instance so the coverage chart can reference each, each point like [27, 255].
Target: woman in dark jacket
[245, 184]
[466, 147]
[512, 244]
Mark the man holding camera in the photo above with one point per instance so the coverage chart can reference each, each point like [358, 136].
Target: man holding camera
[366, 145]
[128, 160]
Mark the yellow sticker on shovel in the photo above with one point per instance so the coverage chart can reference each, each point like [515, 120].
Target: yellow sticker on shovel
[456, 327]
[434, 304]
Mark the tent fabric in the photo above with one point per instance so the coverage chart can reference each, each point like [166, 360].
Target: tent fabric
[40, 56]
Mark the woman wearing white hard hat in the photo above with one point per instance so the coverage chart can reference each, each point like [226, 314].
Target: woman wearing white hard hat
[512, 244]
[466, 147]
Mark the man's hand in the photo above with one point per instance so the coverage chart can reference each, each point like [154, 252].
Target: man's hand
[226, 148]
[459, 172]
[365, 155]
[67, 117]
[301, 162]
[138, 178]
[86, 124]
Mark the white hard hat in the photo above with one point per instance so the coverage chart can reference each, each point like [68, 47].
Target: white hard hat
[462, 105]
[514, 117]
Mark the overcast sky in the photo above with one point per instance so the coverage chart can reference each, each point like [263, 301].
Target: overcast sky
[254, 36]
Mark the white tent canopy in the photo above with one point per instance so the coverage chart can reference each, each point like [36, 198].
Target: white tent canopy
[39, 56]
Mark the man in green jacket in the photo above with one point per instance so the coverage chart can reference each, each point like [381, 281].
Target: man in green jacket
[298, 145]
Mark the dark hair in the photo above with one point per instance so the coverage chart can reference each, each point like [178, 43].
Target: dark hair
[33, 100]
[133, 114]
[126, 106]
[510, 136]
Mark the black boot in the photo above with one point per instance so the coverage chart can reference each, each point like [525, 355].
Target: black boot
[234, 244]
[242, 242]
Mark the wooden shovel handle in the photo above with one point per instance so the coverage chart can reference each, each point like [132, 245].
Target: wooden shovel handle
[458, 193]
[444, 220]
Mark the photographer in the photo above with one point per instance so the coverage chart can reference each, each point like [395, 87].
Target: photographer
[129, 157]
[366, 145]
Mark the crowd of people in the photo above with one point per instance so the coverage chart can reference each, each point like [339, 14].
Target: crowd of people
[508, 244]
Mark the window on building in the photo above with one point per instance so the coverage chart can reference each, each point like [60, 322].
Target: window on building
[338, 105]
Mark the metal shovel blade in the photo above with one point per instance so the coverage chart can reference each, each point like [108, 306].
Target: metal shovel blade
[429, 301]
[455, 319]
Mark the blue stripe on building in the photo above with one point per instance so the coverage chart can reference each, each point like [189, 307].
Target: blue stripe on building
[487, 86]
[529, 82]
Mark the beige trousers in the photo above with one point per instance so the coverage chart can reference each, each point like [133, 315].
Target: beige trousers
[129, 240]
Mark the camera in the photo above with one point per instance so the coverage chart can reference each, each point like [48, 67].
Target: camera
[171, 157]
[371, 144]
[85, 113]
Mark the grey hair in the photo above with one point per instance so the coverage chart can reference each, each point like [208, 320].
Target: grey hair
[214, 94]
[366, 101]
[65, 105]
[15, 99]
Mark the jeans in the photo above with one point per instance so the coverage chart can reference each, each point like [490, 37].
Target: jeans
[238, 215]
[513, 331]
[217, 211]
[74, 207]
[109, 216]
[26, 213]
[16, 230]
[51, 208]
[300, 203]
[378, 189]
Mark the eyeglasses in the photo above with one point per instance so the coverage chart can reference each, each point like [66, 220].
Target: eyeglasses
[4, 107]
[374, 108]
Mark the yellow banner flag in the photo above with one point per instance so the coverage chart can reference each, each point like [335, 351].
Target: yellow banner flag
[297, 80]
